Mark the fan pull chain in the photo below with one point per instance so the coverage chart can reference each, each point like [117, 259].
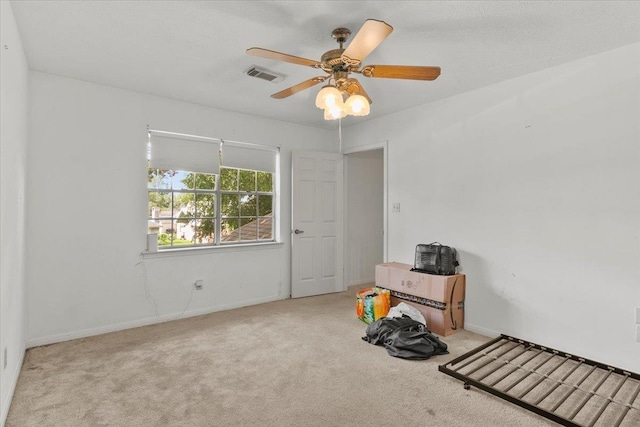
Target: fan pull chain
[340, 133]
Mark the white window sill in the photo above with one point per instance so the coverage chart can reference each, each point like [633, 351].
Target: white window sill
[202, 250]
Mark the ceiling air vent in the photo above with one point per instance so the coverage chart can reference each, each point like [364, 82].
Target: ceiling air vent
[264, 74]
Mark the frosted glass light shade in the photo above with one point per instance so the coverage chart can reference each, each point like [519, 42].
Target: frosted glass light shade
[357, 105]
[328, 97]
[334, 113]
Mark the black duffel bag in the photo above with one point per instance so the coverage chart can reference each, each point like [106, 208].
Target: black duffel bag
[435, 258]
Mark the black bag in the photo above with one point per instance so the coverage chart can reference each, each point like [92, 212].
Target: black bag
[378, 331]
[414, 345]
[435, 258]
[405, 338]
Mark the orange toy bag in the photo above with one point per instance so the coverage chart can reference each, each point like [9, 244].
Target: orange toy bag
[372, 304]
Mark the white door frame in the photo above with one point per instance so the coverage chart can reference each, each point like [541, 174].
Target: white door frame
[384, 145]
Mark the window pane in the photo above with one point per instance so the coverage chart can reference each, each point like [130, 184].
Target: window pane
[180, 236]
[265, 205]
[205, 205]
[159, 204]
[265, 182]
[248, 229]
[205, 231]
[166, 232]
[265, 228]
[205, 181]
[152, 178]
[229, 230]
[248, 205]
[181, 180]
[229, 179]
[247, 180]
[229, 205]
[158, 179]
[185, 231]
[183, 205]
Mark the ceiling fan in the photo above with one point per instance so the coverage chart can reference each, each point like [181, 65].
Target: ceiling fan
[340, 63]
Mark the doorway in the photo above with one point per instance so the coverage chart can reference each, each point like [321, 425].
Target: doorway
[365, 213]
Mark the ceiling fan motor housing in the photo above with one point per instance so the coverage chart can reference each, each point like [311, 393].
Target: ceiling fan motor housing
[341, 35]
[333, 64]
[332, 58]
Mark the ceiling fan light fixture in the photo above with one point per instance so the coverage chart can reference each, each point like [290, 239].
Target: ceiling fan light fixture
[334, 113]
[357, 105]
[329, 96]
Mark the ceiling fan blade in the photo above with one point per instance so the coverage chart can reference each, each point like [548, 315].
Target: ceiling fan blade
[409, 72]
[353, 87]
[279, 56]
[299, 87]
[370, 35]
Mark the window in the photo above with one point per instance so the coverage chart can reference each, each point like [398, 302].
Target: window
[182, 207]
[246, 205]
[205, 204]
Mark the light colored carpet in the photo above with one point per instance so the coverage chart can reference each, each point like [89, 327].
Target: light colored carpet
[288, 363]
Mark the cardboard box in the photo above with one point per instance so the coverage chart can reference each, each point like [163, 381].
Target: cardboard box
[440, 299]
[399, 277]
[438, 321]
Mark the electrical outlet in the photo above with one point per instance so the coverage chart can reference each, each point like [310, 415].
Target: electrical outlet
[198, 285]
[396, 207]
[637, 315]
[5, 358]
[638, 333]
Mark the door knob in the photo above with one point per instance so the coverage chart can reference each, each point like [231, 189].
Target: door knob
[298, 231]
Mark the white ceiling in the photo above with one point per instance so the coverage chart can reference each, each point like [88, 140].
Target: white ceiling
[195, 50]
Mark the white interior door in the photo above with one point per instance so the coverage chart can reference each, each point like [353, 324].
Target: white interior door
[316, 232]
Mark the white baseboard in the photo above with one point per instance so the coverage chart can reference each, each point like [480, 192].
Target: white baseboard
[481, 331]
[12, 387]
[83, 333]
[361, 282]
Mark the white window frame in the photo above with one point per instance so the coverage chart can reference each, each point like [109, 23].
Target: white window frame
[218, 192]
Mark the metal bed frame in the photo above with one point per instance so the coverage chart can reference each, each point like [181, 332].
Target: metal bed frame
[567, 389]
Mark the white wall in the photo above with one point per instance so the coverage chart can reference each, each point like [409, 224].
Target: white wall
[13, 147]
[87, 212]
[537, 182]
[364, 210]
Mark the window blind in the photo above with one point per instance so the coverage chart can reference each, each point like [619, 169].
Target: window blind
[253, 157]
[176, 152]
